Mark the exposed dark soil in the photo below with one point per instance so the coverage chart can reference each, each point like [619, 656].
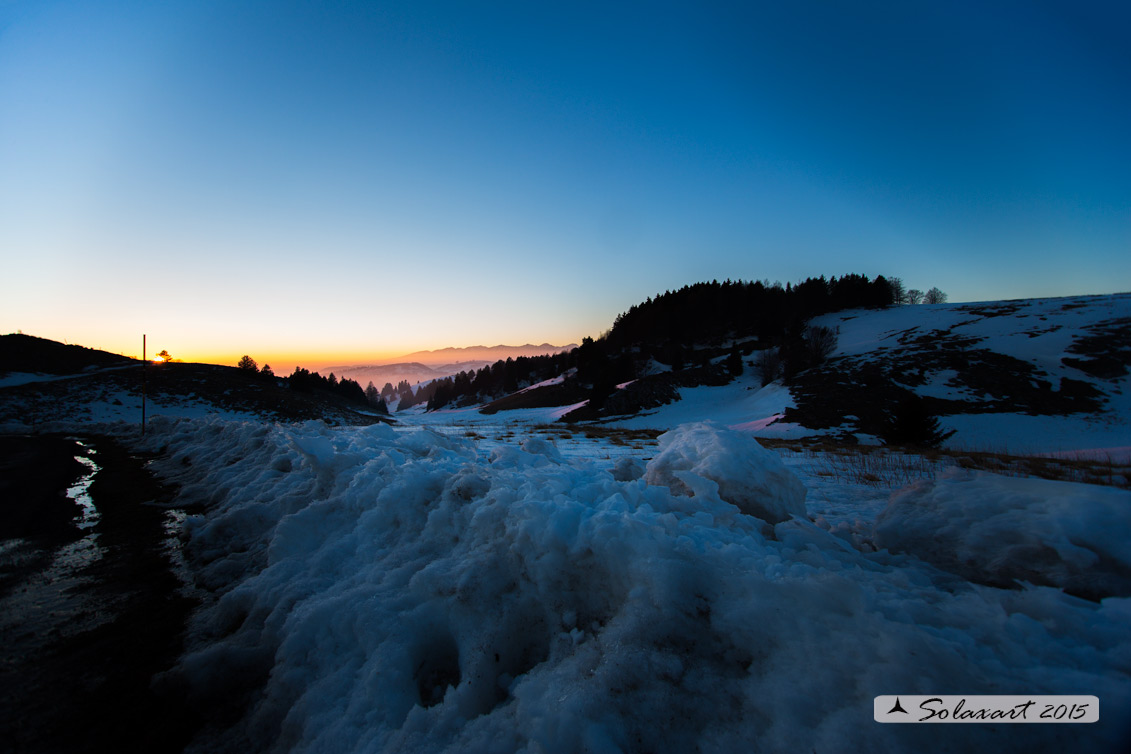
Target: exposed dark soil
[1106, 350]
[77, 677]
[869, 388]
[561, 394]
[650, 392]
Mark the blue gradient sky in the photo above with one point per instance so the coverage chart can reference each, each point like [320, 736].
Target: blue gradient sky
[300, 180]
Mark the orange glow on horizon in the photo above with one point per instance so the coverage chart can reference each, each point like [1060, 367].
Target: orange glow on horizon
[283, 363]
[191, 347]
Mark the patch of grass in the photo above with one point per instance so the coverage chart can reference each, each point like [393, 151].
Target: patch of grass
[1081, 468]
[551, 430]
[869, 465]
[893, 467]
[624, 435]
[636, 438]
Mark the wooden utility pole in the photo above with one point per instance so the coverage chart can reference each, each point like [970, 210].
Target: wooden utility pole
[144, 372]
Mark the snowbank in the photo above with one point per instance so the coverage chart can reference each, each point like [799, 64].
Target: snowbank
[388, 591]
[997, 530]
[705, 460]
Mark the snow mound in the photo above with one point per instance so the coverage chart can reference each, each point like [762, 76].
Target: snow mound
[381, 591]
[628, 469]
[542, 447]
[704, 459]
[996, 530]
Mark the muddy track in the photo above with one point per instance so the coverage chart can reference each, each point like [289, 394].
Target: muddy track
[92, 615]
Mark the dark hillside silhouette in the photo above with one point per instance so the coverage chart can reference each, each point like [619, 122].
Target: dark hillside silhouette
[27, 353]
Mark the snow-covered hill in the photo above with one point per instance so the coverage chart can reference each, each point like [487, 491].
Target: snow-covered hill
[1033, 375]
[1030, 376]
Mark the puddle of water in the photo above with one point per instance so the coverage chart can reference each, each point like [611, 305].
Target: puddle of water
[172, 525]
[52, 601]
[79, 491]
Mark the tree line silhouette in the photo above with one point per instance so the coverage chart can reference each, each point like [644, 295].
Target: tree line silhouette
[706, 311]
[306, 381]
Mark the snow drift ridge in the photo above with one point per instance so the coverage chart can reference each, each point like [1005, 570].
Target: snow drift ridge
[396, 591]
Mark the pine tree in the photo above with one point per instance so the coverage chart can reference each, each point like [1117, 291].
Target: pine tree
[734, 362]
[913, 425]
[407, 398]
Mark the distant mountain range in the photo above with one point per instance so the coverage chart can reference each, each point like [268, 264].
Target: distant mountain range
[421, 366]
[489, 354]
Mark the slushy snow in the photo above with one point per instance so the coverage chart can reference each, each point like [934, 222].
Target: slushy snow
[996, 530]
[378, 590]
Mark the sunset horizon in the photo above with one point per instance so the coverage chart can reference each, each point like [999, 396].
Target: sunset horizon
[283, 359]
[314, 181]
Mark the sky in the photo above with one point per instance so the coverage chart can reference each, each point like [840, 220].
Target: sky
[312, 182]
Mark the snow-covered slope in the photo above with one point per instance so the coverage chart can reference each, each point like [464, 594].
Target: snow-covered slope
[99, 395]
[1034, 376]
